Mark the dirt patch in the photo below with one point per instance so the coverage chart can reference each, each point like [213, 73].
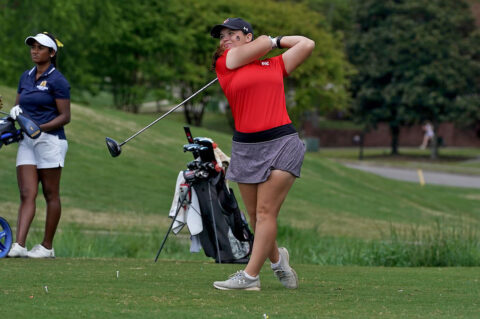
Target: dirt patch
[473, 196]
[93, 220]
[114, 221]
[346, 225]
[105, 121]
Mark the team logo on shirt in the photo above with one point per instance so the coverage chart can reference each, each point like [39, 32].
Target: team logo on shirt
[42, 86]
[265, 63]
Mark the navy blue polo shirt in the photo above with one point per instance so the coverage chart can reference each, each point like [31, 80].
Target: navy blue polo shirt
[37, 97]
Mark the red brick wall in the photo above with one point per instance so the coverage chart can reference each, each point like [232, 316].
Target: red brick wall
[409, 136]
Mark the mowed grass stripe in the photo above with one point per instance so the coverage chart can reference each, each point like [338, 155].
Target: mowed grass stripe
[89, 288]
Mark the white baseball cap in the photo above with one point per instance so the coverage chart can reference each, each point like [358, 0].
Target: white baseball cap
[43, 39]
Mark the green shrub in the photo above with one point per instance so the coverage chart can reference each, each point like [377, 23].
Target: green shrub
[441, 246]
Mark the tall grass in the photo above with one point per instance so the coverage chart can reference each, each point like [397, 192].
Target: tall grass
[440, 246]
[74, 241]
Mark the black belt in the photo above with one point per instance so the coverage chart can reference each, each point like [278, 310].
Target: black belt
[264, 136]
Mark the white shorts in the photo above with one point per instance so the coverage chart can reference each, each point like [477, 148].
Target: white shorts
[47, 151]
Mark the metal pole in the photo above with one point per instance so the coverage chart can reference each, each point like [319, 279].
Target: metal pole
[181, 201]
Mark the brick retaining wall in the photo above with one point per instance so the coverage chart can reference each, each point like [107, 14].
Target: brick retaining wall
[409, 136]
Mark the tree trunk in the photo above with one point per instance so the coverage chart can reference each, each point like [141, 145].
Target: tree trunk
[194, 110]
[199, 115]
[395, 132]
[194, 114]
[188, 118]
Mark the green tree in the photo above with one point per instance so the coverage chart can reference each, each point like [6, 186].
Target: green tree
[417, 60]
[81, 25]
[338, 13]
[163, 49]
[321, 82]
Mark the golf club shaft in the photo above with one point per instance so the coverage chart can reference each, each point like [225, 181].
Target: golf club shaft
[4, 113]
[170, 111]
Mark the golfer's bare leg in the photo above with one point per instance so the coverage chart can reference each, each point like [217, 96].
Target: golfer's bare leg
[249, 197]
[424, 142]
[50, 179]
[270, 197]
[27, 179]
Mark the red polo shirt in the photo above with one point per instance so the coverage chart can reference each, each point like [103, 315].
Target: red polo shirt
[255, 93]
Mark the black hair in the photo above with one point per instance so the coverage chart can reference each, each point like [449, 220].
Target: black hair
[53, 59]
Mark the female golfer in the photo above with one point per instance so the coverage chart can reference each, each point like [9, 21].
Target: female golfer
[267, 153]
[43, 95]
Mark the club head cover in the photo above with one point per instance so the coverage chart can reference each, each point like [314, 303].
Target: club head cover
[28, 126]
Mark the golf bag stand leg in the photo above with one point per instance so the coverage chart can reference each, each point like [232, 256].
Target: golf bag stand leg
[214, 226]
[182, 200]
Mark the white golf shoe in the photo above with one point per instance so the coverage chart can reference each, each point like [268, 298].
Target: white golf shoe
[285, 273]
[38, 251]
[17, 251]
[238, 281]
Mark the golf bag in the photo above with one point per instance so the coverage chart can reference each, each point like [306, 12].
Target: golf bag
[8, 132]
[225, 234]
[6, 238]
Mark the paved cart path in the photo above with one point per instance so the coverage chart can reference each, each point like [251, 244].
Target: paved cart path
[411, 175]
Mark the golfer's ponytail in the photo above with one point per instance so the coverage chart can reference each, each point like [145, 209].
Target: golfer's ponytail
[218, 53]
[53, 59]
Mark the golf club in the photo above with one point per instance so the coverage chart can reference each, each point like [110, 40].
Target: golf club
[115, 148]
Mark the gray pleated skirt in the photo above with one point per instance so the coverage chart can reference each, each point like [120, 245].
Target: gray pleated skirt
[252, 163]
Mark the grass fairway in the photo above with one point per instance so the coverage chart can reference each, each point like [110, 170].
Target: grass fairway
[89, 288]
[114, 215]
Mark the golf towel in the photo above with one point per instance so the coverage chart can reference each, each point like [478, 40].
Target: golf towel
[189, 213]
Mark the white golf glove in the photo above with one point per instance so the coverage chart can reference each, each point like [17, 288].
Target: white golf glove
[274, 42]
[15, 111]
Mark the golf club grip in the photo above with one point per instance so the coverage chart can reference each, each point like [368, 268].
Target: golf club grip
[170, 111]
[188, 133]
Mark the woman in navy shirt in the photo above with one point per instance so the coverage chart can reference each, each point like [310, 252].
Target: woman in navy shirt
[43, 95]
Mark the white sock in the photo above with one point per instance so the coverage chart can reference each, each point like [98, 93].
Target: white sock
[250, 277]
[277, 264]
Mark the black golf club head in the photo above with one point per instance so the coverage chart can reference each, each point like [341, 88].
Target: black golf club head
[113, 147]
